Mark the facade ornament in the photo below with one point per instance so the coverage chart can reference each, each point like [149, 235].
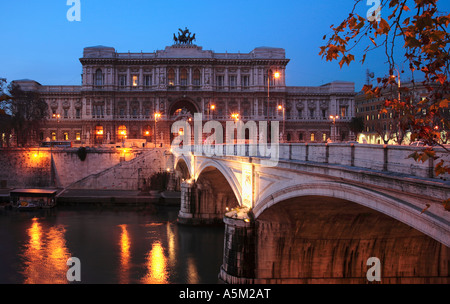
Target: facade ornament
[184, 37]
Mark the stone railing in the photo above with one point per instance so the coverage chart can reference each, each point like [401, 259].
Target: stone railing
[388, 158]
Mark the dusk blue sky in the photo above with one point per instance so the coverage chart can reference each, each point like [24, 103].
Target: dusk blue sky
[39, 42]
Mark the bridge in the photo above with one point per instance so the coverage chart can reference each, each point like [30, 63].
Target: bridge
[316, 213]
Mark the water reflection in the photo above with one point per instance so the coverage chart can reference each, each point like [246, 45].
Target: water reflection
[156, 265]
[45, 255]
[124, 255]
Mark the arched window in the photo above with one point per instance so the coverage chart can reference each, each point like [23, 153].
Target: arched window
[98, 134]
[171, 77]
[98, 77]
[121, 133]
[196, 77]
[183, 77]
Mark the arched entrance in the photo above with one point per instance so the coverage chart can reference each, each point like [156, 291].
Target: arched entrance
[182, 109]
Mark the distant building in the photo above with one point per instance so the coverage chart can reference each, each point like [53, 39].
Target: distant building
[380, 128]
[121, 92]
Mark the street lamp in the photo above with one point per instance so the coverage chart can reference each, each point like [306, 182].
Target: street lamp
[157, 115]
[280, 107]
[57, 117]
[213, 107]
[333, 131]
[276, 75]
[235, 116]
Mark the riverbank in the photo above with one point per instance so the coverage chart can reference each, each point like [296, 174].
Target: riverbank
[71, 197]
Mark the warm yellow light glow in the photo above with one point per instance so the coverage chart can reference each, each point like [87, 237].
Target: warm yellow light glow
[157, 115]
[156, 265]
[147, 133]
[100, 132]
[280, 107]
[247, 185]
[135, 81]
[277, 75]
[124, 254]
[213, 107]
[45, 255]
[35, 155]
[235, 116]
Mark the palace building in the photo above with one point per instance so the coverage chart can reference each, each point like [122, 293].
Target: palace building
[127, 97]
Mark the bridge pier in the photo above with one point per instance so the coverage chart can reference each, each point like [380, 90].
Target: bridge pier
[239, 249]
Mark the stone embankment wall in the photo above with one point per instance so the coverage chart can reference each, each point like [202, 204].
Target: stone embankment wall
[61, 168]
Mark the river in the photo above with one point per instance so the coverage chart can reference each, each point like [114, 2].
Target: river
[115, 245]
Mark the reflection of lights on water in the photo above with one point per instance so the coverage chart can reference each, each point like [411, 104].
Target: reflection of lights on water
[45, 255]
[156, 265]
[124, 255]
[192, 272]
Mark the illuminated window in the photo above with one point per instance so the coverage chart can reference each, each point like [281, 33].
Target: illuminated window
[66, 136]
[122, 132]
[343, 111]
[135, 80]
[78, 136]
[171, 77]
[312, 137]
[324, 137]
[53, 135]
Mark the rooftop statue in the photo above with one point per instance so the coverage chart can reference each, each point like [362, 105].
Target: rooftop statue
[184, 37]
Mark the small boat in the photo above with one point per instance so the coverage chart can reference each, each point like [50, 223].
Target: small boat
[31, 199]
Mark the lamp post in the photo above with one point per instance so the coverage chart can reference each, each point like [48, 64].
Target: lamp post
[157, 115]
[333, 118]
[281, 108]
[213, 107]
[276, 75]
[57, 117]
[398, 101]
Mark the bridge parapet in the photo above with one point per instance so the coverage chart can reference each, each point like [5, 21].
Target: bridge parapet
[388, 158]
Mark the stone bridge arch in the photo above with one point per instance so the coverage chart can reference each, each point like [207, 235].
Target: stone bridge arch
[208, 195]
[399, 208]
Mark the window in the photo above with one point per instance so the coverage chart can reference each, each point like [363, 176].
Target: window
[98, 77]
[219, 81]
[148, 80]
[122, 133]
[183, 77]
[245, 81]
[41, 136]
[122, 80]
[233, 81]
[196, 77]
[66, 113]
[171, 77]
[343, 111]
[135, 80]
[78, 136]
[324, 137]
[300, 136]
[78, 113]
[311, 113]
[66, 136]
[312, 137]
[300, 113]
[324, 114]
[53, 135]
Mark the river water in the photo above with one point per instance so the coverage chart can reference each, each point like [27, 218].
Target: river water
[114, 246]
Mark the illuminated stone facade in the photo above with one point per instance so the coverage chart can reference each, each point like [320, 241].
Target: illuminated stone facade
[121, 92]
